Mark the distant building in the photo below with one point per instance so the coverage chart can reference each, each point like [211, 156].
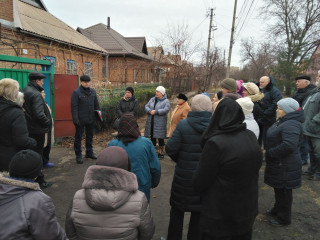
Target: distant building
[315, 64]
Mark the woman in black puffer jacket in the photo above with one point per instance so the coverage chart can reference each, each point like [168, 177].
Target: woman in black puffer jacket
[283, 170]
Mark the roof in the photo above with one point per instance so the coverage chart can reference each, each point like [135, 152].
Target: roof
[157, 54]
[112, 41]
[138, 43]
[37, 21]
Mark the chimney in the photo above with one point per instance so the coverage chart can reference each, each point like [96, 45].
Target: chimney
[108, 25]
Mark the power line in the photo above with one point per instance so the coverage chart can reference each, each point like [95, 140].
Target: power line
[244, 21]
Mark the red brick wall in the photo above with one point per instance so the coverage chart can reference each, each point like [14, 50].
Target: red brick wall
[6, 10]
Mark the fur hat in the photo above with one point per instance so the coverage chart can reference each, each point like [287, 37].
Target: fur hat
[182, 96]
[229, 84]
[252, 88]
[304, 77]
[200, 103]
[130, 89]
[36, 76]
[246, 105]
[161, 89]
[85, 78]
[114, 156]
[25, 164]
[288, 105]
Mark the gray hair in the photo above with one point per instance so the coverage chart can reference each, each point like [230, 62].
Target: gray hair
[20, 98]
[9, 89]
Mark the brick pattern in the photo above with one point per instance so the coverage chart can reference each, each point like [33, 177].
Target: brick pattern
[6, 12]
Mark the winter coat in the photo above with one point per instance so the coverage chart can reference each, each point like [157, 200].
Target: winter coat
[184, 148]
[14, 133]
[228, 173]
[252, 125]
[26, 213]
[179, 113]
[159, 120]
[38, 120]
[283, 162]
[144, 162]
[83, 104]
[301, 94]
[269, 104]
[257, 109]
[109, 206]
[130, 105]
[311, 107]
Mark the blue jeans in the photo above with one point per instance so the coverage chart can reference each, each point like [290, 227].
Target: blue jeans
[78, 137]
[304, 150]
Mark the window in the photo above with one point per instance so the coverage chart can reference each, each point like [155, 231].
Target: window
[88, 68]
[52, 60]
[71, 67]
[135, 72]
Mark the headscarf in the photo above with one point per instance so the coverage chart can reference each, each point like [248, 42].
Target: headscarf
[227, 118]
[128, 130]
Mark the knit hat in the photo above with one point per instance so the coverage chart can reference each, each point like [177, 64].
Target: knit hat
[240, 87]
[114, 156]
[130, 89]
[246, 105]
[229, 84]
[304, 77]
[252, 88]
[288, 105]
[85, 78]
[25, 164]
[182, 96]
[161, 89]
[128, 129]
[200, 103]
[36, 76]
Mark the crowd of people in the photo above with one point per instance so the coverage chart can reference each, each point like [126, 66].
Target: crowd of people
[218, 146]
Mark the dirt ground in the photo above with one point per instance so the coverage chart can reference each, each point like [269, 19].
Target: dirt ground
[67, 177]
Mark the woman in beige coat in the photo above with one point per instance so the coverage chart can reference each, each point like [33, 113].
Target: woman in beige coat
[109, 205]
[179, 113]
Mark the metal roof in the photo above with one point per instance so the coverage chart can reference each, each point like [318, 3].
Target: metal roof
[139, 43]
[112, 41]
[40, 22]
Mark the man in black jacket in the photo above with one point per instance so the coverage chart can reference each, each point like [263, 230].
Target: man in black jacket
[37, 120]
[84, 102]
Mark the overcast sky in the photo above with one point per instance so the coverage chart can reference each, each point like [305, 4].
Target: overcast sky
[149, 18]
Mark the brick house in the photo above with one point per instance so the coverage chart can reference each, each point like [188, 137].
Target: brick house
[128, 60]
[27, 29]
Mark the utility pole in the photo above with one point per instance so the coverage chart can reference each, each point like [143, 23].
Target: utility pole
[208, 50]
[231, 38]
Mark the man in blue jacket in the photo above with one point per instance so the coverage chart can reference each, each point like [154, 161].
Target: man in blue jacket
[83, 104]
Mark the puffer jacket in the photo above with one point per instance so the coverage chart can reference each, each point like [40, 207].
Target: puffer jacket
[130, 105]
[109, 206]
[184, 148]
[257, 110]
[159, 119]
[311, 107]
[83, 104]
[179, 113]
[283, 162]
[252, 125]
[14, 133]
[26, 213]
[38, 120]
[269, 104]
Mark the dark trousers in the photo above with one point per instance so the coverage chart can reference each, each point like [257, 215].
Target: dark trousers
[304, 150]
[78, 137]
[46, 150]
[39, 149]
[176, 225]
[263, 134]
[314, 152]
[160, 141]
[246, 236]
[283, 204]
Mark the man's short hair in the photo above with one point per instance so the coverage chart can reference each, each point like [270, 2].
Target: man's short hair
[85, 78]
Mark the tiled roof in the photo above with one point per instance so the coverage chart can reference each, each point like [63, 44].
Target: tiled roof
[111, 40]
[42, 23]
[139, 43]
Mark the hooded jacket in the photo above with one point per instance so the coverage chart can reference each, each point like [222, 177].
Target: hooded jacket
[269, 104]
[38, 120]
[179, 113]
[227, 174]
[257, 110]
[26, 213]
[14, 133]
[130, 105]
[159, 120]
[283, 168]
[109, 206]
[184, 148]
[252, 125]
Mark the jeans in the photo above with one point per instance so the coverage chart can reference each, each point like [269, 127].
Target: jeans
[78, 137]
[304, 150]
[176, 225]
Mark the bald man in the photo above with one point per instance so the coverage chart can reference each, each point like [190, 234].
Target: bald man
[268, 106]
